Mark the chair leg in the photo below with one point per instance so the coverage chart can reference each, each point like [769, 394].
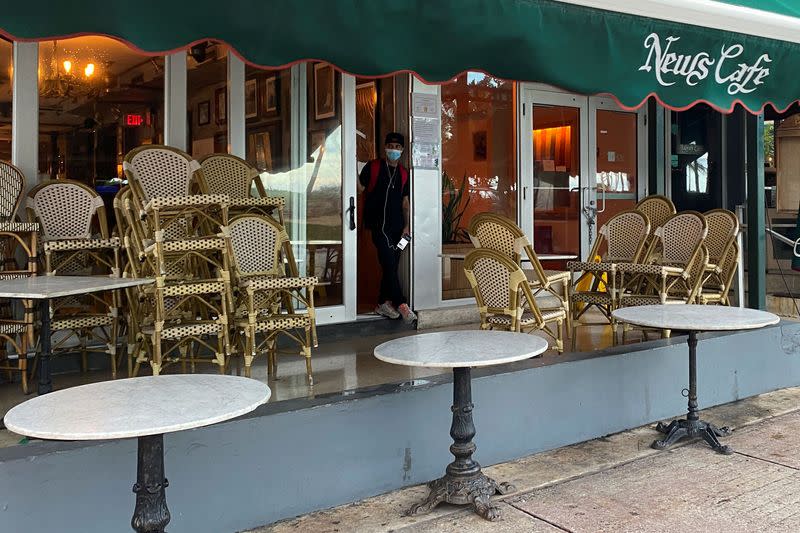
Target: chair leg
[307, 354]
[568, 321]
[156, 362]
[560, 337]
[574, 333]
[22, 362]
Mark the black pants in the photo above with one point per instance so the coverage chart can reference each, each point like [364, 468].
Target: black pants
[389, 258]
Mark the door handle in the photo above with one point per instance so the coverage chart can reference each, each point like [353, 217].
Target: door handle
[352, 211]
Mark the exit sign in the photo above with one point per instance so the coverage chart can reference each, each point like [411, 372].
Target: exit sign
[134, 120]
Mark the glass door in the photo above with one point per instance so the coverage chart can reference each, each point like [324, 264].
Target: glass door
[558, 194]
[300, 146]
[617, 148]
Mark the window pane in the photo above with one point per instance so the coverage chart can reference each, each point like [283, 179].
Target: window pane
[556, 180]
[478, 165]
[6, 73]
[206, 85]
[312, 186]
[617, 163]
[98, 99]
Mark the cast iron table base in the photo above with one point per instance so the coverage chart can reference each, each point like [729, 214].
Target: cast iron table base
[692, 426]
[150, 514]
[45, 379]
[463, 482]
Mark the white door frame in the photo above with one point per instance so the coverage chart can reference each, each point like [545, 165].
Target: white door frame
[531, 95]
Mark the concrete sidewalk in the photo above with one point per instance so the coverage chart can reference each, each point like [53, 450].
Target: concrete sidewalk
[619, 484]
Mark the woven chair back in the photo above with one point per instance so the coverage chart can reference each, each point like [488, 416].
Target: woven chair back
[625, 235]
[156, 171]
[228, 174]
[257, 242]
[723, 226]
[66, 210]
[658, 210]
[681, 235]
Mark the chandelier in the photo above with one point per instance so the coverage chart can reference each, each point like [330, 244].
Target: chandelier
[71, 79]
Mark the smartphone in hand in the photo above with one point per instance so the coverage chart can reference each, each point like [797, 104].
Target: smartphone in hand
[404, 240]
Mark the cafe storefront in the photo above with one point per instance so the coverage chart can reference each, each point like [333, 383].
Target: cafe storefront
[557, 114]
[539, 151]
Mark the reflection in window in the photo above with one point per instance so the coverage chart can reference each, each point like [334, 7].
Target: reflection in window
[478, 164]
[206, 98]
[6, 74]
[312, 188]
[98, 99]
[697, 175]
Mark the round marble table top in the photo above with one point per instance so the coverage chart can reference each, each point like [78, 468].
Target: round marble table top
[695, 317]
[457, 349]
[136, 407]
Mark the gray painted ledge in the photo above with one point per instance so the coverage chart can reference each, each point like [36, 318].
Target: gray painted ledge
[290, 458]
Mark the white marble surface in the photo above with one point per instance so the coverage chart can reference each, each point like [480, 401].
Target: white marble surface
[454, 349]
[136, 407]
[695, 317]
[42, 287]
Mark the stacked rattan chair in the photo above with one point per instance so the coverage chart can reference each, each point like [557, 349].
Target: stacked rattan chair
[505, 297]
[178, 233]
[667, 269]
[236, 178]
[723, 253]
[498, 233]
[76, 241]
[658, 210]
[16, 238]
[620, 241]
[272, 305]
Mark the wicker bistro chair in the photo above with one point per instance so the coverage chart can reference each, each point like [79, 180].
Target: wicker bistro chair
[658, 210]
[673, 249]
[68, 213]
[723, 228]
[620, 240]
[496, 232]
[720, 294]
[271, 304]
[16, 237]
[236, 178]
[184, 234]
[690, 293]
[505, 297]
[183, 317]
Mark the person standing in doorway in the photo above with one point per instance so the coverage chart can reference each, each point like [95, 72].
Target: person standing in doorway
[386, 214]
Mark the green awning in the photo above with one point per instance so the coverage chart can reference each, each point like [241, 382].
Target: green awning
[581, 49]
[779, 7]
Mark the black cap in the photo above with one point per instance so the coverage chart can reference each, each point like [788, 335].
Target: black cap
[394, 137]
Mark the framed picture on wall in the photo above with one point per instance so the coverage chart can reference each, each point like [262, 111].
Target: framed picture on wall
[251, 98]
[324, 91]
[269, 99]
[221, 105]
[204, 113]
[259, 150]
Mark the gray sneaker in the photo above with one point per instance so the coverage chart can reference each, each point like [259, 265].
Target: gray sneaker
[409, 317]
[386, 309]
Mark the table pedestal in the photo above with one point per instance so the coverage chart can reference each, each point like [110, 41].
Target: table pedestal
[151, 514]
[692, 426]
[463, 482]
[45, 380]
